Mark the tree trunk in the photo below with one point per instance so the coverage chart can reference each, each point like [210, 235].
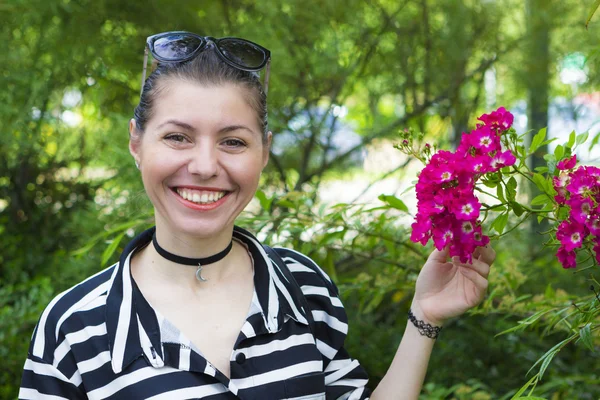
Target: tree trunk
[538, 80]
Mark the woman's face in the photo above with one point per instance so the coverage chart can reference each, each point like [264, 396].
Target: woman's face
[200, 157]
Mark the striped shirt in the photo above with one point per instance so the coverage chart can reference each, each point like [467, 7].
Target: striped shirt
[101, 339]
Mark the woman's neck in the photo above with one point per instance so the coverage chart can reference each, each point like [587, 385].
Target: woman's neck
[149, 265]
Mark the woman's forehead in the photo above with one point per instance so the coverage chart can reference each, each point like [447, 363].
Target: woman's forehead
[202, 106]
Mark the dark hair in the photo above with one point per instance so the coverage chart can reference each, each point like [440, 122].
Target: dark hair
[206, 69]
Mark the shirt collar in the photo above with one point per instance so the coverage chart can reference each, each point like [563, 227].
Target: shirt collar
[132, 325]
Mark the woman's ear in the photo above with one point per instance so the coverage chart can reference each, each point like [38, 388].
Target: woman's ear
[267, 149]
[135, 139]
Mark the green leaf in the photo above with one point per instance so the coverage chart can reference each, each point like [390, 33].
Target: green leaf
[517, 208]
[551, 167]
[532, 381]
[547, 362]
[109, 251]
[593, 10]
[585, 335]
[102, 235]
[490, 184]
[285, 203]
[511, 188]
[551, 353]
[537, 140]
[594, 141]
[500, 223]
[581, 138]
[394, 202]
[540, 199]
[533, 318]
[500, 193]
[549, 292]
[523, 297]
[530, 398]
[571, 141]
[540, 182]
[265, 202]
[559, 151]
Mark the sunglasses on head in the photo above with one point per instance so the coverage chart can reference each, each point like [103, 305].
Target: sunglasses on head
[181, 46]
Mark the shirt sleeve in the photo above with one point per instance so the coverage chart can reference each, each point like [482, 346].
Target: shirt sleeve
[345, 378]
[43, 381]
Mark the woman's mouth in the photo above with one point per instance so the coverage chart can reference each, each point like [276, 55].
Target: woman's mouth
[200, 196]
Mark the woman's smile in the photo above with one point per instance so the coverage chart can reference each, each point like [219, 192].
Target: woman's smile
[201, 199]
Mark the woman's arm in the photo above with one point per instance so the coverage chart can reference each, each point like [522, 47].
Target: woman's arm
[405, 376]
[444, 290]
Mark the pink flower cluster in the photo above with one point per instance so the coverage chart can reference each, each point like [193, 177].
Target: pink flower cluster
[579, 190]
[448, 210]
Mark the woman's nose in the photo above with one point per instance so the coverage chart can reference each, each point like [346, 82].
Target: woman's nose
[204, 162]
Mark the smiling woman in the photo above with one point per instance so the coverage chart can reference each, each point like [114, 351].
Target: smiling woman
[197, 307]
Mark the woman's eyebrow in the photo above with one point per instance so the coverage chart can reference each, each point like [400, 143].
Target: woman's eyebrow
[180, 124]
[231, 128]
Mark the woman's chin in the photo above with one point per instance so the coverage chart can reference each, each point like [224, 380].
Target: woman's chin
[202, 230]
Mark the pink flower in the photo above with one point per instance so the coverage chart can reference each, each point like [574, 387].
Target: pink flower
[581, 182]
[593, 224]
[571, 235]
[466, 208]
[479, 164]
[594, 173]
[499, 119]
[464, 254]
[484, 139]
[580, 208]
[504, 159]
[566, 258]
[443, 173]
[597, 250]
[421, 230]
[567, 163]
[442, 233]
[430, 207]
[561, 180]
[480, 239]
[466, 229]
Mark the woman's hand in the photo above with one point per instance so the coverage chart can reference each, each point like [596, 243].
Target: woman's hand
[446, 289]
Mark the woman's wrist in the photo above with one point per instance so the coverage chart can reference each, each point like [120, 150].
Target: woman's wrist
[420, 315]
[424, 328]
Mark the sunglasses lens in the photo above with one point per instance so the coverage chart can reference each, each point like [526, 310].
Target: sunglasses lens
[243, 53]
[176, 46]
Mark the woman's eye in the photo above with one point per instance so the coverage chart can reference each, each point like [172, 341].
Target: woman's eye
[176, 138]
[234, 143]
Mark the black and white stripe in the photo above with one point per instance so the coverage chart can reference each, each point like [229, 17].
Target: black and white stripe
[101, 339]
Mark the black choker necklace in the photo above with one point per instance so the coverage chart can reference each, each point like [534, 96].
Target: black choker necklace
[192, 261]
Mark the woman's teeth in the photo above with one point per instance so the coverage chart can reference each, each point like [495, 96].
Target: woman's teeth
[200, 196]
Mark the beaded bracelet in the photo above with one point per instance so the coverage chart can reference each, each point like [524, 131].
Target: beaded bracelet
[424, 328]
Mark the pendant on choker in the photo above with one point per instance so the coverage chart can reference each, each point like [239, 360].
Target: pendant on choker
[199, 274]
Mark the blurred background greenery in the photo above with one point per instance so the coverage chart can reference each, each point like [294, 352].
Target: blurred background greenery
[345, 77]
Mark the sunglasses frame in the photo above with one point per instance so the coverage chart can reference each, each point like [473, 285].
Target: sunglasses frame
[205, 41]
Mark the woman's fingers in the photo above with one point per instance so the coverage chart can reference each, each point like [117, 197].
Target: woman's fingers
[479, 266]
[439, 256]
[485, 254]
[474, 276]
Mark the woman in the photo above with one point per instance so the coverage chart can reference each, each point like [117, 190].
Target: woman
[196, 307]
